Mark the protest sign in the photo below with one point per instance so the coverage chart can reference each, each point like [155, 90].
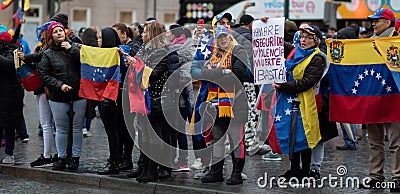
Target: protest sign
[269, 63]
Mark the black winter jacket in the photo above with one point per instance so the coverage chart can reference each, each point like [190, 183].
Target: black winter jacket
[157, 59]
[312, 74]
[12, 93]
[244, 37]
[57, 67]
[239, 66]
[135, 45]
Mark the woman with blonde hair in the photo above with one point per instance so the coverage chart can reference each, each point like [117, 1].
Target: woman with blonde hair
[225, 72]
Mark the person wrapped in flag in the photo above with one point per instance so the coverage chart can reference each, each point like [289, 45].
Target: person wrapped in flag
[296, 121]
[225, 70]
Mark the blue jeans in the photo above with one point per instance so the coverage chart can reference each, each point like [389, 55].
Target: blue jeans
[9, 136]
[317, 157]
[22, 130]
[86, 123]
[62, 121]
[347, 140]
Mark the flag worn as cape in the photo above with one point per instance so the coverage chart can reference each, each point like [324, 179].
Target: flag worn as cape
[100, 73]
[364, 82]
[307, 125]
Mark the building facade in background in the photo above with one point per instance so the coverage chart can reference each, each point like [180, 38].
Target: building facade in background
[85, 13]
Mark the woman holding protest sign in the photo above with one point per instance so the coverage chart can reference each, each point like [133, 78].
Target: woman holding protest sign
[226, 70]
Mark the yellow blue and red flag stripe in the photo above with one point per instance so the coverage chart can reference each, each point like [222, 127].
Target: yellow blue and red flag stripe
[5, 4]
[100, 73]
[364, 81]
[139, 96]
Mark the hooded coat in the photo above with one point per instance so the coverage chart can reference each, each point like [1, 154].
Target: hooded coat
[12, 93]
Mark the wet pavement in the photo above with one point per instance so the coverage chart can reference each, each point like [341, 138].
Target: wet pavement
[95, 154]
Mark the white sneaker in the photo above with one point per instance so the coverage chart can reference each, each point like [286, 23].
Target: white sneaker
[202, 173]
[8, 159]
[244, 176]
[89, 134]
[197, 165]
[271, 156]
[84, 131]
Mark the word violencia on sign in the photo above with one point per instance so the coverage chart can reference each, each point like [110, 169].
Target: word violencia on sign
[268, 51]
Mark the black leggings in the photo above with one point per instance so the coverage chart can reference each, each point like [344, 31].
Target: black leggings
[305, 160]
[107, 110]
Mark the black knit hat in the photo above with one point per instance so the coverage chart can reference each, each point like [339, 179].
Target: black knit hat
[62, 18]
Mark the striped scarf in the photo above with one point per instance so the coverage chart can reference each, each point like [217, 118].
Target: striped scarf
[225, 98]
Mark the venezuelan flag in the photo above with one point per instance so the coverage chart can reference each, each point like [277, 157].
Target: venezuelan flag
[291, 130]
[100, 73]
[139, 97]
[5, 4]
[364, 81]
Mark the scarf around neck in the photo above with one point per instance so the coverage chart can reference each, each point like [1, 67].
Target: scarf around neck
[224, 97]
[299, 56]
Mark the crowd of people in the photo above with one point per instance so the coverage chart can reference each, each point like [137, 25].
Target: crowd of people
[199, 75]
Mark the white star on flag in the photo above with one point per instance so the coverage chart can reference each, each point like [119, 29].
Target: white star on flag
[366, 72]
[205, 53]
[378, 76]
[290, 100]
[287, 111]
[202, 46]
[356, 84]
[361, 77]
[388, 89]
[354, 91]
[278, 118]
[372, 72]
[383, 82]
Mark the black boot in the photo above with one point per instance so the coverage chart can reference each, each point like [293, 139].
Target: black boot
[74, 164]
[151, 174]
[215, 174]
[126, 163]
[141, 163]
[135, 172]
[60, 164]
[236, 177]
[164, 173]
[111, 168]
[143, 172]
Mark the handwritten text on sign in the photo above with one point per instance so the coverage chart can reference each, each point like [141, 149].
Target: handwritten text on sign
[269, 64]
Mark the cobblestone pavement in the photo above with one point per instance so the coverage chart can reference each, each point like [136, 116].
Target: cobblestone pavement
[10, 184]
[95, 154]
